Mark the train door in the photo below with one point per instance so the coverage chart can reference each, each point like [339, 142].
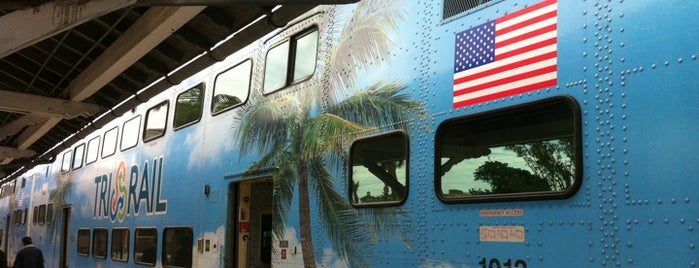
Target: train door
[65, 227]
[249, 233]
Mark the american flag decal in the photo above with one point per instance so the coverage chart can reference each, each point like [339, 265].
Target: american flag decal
[515, 53]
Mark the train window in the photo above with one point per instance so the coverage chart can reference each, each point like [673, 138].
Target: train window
[92, 149]
[120, 244]
[189, 106]
[177, 247]
[83, 242]
[99, 243]
[42, 214]
[231, 87]
[78, 154]
[35, 215]
[525, 152]
[379, 170]
[291, 61]
[156, 120]
[129, 133]
[110, 141]
[145, 246]
[65, 163]
[49, 213]
[25, 214]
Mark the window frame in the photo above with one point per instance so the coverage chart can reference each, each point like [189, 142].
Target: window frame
[166, 104]
[505, 112]
[165, 244]
[292, 42]
[114, 144]
[126, 126]
[94, 243]
[176, 127]
[247, 96]
[91, 145]
[66, 161]
[406, 148]
[128, 244]
[82, 232]
[136, 246]
[78, 163]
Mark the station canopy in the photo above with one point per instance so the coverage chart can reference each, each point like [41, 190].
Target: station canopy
[67, 67]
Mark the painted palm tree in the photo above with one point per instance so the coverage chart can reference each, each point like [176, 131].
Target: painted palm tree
[302, 135]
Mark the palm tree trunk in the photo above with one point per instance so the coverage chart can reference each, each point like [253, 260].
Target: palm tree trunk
[305, 217]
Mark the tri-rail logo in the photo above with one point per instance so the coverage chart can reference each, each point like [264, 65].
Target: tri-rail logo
[129, 190]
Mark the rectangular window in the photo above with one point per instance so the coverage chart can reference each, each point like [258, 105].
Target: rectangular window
[231, 87]
[49, 213]
[93, 147]
[291, 61]
[110, 142]
[83, 242]
[177, 247]
[42, 214]
[35, 215]
[120, 244]
[78, 154]
[526, 152]
[156, 120]
[99, 243]
[145, 246]
[65, 162]
[189, 106]
[379, 171]
[129, 133]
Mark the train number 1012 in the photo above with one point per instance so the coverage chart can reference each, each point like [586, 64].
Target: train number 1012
[495, 263]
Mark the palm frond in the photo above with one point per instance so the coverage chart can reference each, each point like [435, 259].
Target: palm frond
[346, 231]
[324, 134]
[364, 41]
[379, 105]
[284, 182]
[264, 125]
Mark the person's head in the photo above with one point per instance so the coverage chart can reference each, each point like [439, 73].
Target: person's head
[26, 240]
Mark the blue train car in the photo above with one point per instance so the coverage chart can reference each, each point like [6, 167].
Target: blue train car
[501, 133]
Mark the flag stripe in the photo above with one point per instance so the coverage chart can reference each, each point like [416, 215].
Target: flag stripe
[525, 71]
[514, 54]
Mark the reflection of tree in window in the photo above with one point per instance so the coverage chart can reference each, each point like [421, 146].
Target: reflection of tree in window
[189, 105]
[379, 170]
[553, 160]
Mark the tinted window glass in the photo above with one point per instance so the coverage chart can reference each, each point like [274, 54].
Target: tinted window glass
[83, 242]
[189, 106]
[145, 245]
[276, 66]
[177, 247]
[306, 52]
[65, 163]
[524, 152]
[99, 243]
[231, 87]
[78, 156]
[379, 169]
[120, 245]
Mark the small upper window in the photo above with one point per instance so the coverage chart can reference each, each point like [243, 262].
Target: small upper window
[291, 61]
[93, 147]
[129, 133]
[524, 152]
[42, 214]
[156, 120]
[78, 153]
[232, 87]
[110, 141]
[65, 163]
[189, 106]
[379, 171]
[177, 247]
[49, 213]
